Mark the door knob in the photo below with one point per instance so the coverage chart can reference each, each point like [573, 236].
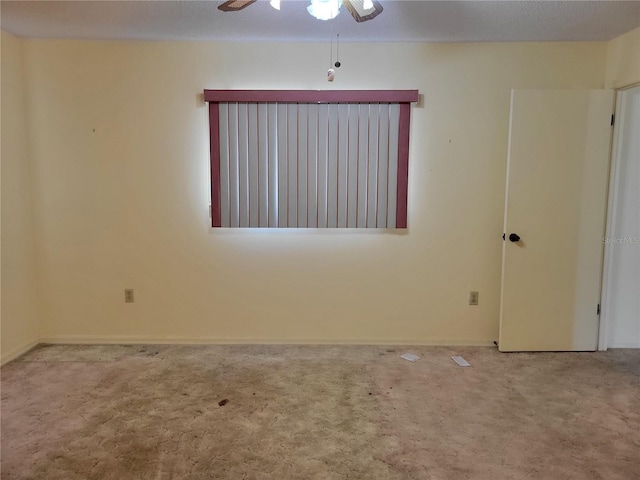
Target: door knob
[514, 237]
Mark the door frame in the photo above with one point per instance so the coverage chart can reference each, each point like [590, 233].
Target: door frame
[614, 191]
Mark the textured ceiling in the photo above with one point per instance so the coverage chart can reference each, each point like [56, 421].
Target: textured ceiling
[432, 21]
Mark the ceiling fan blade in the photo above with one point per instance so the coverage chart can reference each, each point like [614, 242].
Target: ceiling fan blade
[235, 5]
[361, 14]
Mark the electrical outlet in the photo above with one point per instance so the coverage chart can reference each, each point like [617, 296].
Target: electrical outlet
[473, 298]
[128, 295]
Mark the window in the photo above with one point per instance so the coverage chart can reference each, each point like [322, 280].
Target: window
[309, 159]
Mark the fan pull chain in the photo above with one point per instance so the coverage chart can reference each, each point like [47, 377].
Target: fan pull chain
[337, 64]
[331, 72]
[331, 50]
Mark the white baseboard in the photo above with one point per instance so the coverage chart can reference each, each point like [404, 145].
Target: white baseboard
[15, 353]
[624, 345]
[177, 340]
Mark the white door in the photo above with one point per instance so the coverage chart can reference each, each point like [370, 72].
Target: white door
[557, 176]
[620, 299]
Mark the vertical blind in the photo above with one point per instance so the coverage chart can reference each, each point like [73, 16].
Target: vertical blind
[306, 165]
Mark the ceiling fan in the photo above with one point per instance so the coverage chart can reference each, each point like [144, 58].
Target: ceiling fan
[360, 10]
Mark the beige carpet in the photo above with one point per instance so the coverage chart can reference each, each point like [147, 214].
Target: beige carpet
[318, 412]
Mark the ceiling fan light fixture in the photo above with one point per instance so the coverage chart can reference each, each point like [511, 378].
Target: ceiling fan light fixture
[275, 4]
[363, 10]
[324, 9]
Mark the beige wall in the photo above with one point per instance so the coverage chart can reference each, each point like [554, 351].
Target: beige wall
[19, 315]
[120, 145]
[623, 60]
